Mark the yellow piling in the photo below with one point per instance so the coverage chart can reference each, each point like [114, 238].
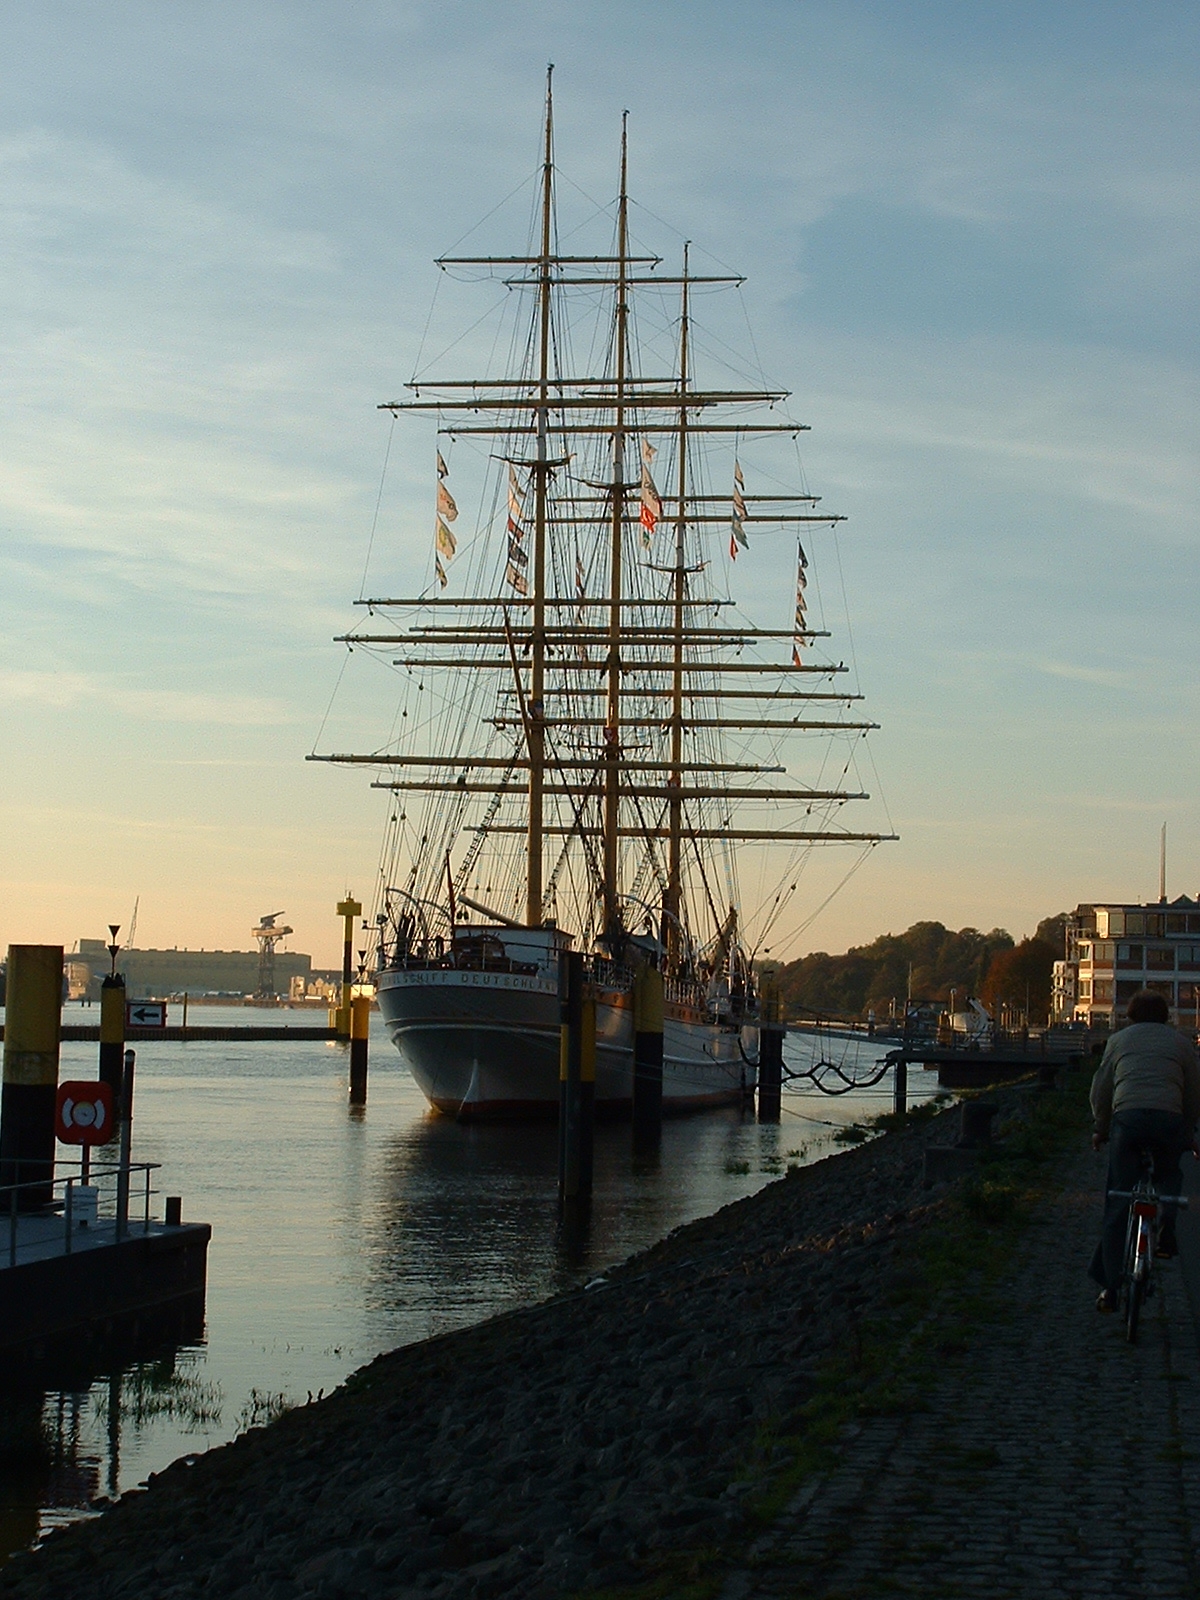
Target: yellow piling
[32, 1019]
[348, 909]
[360, 1028]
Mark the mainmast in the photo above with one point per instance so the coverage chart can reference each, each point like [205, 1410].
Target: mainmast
[612, 725]
[673, 899]
[536, 720]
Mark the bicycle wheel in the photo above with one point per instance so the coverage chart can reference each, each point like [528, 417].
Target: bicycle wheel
[1135, 1294]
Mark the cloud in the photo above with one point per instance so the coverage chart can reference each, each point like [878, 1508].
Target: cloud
[66, 689]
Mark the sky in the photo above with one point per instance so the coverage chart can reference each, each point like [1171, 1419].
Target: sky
[970, 240]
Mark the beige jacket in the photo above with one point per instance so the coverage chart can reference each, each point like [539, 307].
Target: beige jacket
[1146, 1067]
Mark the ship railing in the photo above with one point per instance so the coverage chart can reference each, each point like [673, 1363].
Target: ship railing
[71, 1202]
[609, 974]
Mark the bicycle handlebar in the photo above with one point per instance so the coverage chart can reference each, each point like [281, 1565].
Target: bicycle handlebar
[1131, 1194]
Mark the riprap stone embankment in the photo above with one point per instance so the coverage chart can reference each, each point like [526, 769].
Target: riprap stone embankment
[569, 1445]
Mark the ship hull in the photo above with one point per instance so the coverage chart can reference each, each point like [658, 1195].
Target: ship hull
[485, 1046]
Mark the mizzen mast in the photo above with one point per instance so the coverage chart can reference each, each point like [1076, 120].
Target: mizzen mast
[612, 725]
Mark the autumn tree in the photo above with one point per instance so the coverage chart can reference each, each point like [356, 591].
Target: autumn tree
[1021, 977]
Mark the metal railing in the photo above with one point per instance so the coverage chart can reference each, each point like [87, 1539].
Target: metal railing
[119, 1175]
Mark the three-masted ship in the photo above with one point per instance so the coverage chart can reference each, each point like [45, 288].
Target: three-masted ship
[591, 736]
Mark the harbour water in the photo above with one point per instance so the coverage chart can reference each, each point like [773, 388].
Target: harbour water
[340, 1234]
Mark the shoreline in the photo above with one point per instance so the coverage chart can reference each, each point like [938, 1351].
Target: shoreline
[578, 1443]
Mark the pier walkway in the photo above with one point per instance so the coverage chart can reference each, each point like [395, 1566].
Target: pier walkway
[1052, 1460]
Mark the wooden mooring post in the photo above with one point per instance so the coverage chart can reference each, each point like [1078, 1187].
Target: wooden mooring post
[771, 1032]
[647, 1057]
[577, 1083]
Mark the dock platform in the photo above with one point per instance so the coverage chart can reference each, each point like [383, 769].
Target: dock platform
[106, 1288]
[232, 1033]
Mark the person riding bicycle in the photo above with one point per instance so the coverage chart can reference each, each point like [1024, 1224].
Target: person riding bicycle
[1145, 1098]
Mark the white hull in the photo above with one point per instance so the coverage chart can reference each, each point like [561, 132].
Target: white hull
[485, 1045]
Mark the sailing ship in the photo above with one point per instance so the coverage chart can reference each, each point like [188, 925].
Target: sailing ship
[592, 736]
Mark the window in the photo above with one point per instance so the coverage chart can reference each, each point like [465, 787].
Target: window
[1176, 923]
[1167, 990]
[1135, 922]
[1102, 989]
[1189, 958]
[1116, 924]
[1193, 924]
[1085, 988]
[1129, 955]
[1102, 954]
[1187, 993]
[1126, 989]
[1160, 958]
[1154, 925]
[1102, 927]
[1085, 952]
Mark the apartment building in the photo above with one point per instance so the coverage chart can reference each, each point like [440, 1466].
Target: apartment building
[1115, 950]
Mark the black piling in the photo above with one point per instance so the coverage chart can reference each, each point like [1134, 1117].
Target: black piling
[32, 1017]
[570, 1079]
[126, 1114]
[771, 1031]
[900, 1085]
[360, 1027]
[647, 1057]
[587, 1092]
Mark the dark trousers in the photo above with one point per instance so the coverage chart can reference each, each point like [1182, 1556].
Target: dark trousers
[1166, 1136]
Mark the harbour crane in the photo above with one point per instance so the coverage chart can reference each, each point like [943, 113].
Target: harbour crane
[268, 935]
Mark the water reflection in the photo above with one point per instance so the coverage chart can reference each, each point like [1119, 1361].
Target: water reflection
[61, 1449]
[467, 1217]
[340, 1234]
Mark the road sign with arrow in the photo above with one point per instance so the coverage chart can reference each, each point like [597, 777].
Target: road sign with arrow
[146, 1014]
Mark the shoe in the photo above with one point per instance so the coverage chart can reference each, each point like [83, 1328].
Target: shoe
[1106, 1300]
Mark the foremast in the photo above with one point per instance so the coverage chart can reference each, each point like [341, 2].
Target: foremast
[673, 895]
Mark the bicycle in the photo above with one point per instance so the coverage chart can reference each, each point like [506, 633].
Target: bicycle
[1141, 1242]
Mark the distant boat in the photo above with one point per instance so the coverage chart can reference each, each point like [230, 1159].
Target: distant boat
[590, 732]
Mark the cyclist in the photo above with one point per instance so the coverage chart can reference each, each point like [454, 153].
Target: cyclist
[1145, 1097]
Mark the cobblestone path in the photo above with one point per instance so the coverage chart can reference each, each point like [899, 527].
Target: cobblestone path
[1054, 1460]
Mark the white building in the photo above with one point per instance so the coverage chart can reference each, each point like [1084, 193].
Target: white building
[1115, 950]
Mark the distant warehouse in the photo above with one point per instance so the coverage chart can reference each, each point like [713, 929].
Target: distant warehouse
[197, 972]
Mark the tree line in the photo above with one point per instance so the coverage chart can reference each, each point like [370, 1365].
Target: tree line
[927, 961]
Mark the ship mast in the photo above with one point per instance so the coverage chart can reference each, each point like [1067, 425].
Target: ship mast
[591, 705]
[612, 725]
[536, 716]
[673, 899]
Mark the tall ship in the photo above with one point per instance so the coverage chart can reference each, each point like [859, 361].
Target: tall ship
[593, 747]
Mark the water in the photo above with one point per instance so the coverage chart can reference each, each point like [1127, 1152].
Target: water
[338, 1235]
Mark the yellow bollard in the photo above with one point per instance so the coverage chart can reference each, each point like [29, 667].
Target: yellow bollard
[32, 1028]
[112, 1032]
